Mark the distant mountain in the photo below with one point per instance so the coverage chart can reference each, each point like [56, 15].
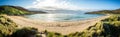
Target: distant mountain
[12, 10]
[20, 8]
[56, 10]
[16, 10]
[37, 12]
[117, 11]
[65, 11]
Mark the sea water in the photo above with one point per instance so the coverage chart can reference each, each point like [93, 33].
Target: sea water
[62, 17]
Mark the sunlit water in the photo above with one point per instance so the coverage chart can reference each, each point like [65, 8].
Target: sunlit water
[62, 17]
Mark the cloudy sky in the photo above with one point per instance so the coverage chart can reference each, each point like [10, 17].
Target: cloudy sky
[65, 4]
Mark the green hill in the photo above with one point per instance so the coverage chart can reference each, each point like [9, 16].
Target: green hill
[10, 29]
[12, 10]
[117, 11]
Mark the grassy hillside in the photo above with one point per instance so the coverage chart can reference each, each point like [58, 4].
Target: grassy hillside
[9, 29]
[7, 26]
[12, 10]
[109, 27]
[117, 11]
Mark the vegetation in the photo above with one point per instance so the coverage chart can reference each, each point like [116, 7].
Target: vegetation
[109, 27]
[25, 32]
[9, 29]
[54, 34]
[117, 11]
[12, 10]
[7, 26]
[16, 10]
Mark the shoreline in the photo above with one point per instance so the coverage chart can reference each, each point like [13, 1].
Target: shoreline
[65, 20]
[60, 27]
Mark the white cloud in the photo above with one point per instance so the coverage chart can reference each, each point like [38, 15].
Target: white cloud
[53, 5]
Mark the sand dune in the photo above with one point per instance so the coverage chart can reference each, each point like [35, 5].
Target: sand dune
[60, 27]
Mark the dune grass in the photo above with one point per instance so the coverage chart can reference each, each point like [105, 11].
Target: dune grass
[108, 27]
[9, 29]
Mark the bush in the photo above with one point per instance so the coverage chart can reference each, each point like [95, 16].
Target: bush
[109, 27]
[7, 26]
[54, 34]
[25, 32]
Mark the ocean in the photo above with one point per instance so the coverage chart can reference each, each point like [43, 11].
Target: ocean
[62, 17]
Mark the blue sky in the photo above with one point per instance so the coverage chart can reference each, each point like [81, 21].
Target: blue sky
[65, 4]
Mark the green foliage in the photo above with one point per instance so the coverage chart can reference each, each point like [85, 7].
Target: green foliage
[54, 34]
[92, 31]
[25, 32]
[77, 34]
[117, 11]
[9, 29]
[112, 30]
[38, 35]
[9, 10]
[101, 12]
[112, 18]
[109, 27]
[7, 26]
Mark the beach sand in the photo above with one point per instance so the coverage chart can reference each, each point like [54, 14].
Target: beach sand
[60, 27]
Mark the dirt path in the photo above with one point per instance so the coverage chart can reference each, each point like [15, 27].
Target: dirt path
[60, 27]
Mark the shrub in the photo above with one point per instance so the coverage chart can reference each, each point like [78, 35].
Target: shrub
[54, 34]
[7, 26]
[25, 32]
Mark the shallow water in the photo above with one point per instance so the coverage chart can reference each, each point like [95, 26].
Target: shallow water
[62, 17]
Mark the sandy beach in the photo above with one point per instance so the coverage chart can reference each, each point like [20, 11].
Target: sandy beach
[60, 27]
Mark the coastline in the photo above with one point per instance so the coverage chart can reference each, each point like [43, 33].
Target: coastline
[60, 27]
